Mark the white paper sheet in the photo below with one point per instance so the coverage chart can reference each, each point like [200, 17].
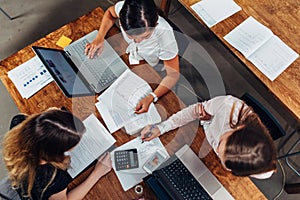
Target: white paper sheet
[273, 57]
[116, 104]
[30, 77]
[260, 46]
[129, 178]
[214, 11]
[248, 36]
[94, 142]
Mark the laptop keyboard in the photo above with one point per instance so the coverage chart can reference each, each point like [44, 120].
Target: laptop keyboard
[182, 181]
[106, 74]
[79, 49]
[103, 74]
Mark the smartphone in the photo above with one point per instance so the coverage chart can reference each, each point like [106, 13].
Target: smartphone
[155, 160]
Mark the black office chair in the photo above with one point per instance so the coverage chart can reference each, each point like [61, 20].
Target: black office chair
[266, 117]
[187, 70]
[274, 128]
[6, 190]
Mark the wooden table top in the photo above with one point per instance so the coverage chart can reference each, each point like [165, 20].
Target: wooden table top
[108, 187]
[283, 18]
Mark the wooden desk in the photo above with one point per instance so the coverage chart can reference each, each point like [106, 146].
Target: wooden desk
[283, 18]
[109, 187]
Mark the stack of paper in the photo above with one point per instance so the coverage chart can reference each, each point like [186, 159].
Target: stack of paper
[116, 105]
[260, 46]
[214, 11]
[30, 77]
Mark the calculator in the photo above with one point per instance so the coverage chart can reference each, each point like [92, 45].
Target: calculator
[126, 159]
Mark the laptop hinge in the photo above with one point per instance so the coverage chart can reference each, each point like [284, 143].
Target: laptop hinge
[67, 54]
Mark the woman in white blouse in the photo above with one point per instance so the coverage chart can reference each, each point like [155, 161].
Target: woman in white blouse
[234, 131]
[149, 38]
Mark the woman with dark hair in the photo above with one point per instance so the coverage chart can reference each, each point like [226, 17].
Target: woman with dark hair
[36, 155]
[234, 131]
[149, 38]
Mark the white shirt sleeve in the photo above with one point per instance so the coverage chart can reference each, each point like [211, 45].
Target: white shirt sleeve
[118, 7]
[179, 119]
[187, 115]
[167, 41]
[263, 175]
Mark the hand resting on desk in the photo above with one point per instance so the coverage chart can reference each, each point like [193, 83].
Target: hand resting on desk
[103, 165]
[143, 105]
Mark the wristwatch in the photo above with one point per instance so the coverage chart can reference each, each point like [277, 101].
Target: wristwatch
[155, 98]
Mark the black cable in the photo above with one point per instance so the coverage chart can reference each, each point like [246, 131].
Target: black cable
[288, 155]
[282, 183]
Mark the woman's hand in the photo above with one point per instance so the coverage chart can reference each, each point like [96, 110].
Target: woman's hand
[202, 114]
[108, 20]
[103, 165]
[94, 48]
[150, 132]
[144, 104]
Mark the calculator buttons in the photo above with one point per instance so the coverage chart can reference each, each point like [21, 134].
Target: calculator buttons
[126, 159]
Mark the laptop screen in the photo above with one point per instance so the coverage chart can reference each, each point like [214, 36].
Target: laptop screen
[64, 72]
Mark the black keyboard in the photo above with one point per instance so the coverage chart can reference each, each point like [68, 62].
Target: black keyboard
[178, 181]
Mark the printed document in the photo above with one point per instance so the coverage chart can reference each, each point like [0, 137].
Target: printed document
[94, 142]
[116, 105]
[130, 177]
[260, 46]
[30, 77]
[214, 11]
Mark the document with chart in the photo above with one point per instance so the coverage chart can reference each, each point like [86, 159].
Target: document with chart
[116, 105]
[260, 46]
[30, 77]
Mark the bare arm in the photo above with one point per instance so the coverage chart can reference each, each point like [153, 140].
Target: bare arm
[108, 21]
[172, 69]
[102, 167]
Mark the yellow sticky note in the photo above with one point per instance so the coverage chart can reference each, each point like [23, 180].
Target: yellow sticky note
[63, 41]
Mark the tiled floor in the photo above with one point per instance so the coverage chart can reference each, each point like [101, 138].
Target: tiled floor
[34, 19]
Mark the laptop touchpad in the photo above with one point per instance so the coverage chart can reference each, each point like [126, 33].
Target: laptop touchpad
[209, 182]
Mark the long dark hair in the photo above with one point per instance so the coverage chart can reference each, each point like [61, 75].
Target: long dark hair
[138, 16]
[250, 149]
[45, 136]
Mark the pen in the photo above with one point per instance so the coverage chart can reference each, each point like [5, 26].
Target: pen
[147, 135]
